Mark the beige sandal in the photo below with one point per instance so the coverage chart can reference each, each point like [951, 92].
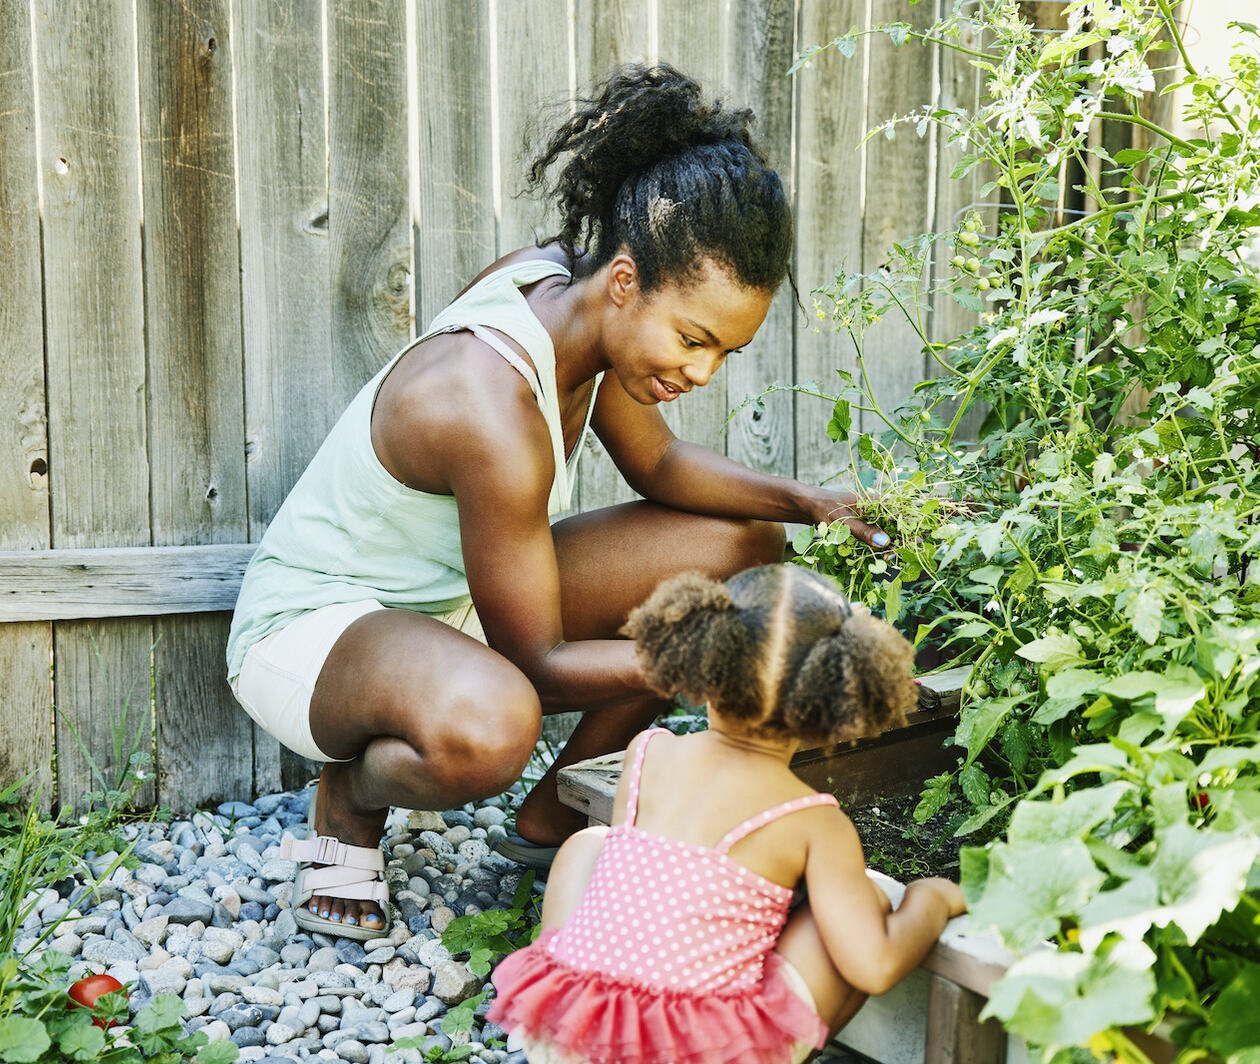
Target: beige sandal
[350, 873]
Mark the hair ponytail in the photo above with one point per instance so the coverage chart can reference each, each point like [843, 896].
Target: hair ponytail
[692, 640]
[654, 168]
[851, 684]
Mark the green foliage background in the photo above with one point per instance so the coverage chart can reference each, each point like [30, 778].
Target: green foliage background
[1093, 555]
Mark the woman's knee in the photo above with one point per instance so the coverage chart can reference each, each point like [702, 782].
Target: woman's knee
[757, 543]
[483, 734]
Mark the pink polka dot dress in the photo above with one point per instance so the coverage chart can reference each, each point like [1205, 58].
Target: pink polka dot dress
[668, 959]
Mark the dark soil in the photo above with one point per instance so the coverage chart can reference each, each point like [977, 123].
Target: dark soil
[895, 845]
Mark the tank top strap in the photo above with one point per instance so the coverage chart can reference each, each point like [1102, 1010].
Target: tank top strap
[774, 813]
[489, 338]
[636, 770]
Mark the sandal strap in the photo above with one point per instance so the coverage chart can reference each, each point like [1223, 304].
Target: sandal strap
[341, 882]
[326, 850]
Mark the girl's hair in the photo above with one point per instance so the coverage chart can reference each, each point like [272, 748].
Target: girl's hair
[677, 181]
[777, 648]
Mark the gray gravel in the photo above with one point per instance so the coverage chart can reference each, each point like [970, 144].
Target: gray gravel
[206, 915]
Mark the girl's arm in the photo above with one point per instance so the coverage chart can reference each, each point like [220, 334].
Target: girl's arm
[686, 476]
[569, 875]
[872, 947]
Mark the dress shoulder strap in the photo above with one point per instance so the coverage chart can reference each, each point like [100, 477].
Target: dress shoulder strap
[636, 770]
[774, 813]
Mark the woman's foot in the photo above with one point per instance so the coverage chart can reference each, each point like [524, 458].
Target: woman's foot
[333, 816]
[544, 820]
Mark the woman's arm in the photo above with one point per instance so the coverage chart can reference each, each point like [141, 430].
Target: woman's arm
[467, 425]
[687, 476]
[872, 947]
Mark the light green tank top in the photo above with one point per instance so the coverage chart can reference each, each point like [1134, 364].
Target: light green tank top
[349, 531]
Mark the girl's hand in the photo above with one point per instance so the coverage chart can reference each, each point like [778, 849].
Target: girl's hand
[950, 893]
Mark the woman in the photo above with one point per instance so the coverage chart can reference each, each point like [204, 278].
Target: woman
[411, 612]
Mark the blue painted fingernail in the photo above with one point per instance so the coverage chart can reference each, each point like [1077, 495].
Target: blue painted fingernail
[336, 916]
[324, 914]
[351, 920]
[880, 539]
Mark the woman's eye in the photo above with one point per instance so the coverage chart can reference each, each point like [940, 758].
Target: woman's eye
[689, 342]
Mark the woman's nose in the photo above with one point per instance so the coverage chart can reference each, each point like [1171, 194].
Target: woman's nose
[699, 371]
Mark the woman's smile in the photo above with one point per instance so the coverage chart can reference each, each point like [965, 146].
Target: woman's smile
[666, 391]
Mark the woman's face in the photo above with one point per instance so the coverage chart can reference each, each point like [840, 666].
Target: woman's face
[672, 339]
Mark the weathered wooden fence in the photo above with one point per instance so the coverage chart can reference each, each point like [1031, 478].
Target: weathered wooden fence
[219, 217]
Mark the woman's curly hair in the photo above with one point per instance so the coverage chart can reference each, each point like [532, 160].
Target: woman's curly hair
[778, 648]
[676, 180]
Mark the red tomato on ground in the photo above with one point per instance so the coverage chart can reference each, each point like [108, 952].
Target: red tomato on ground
[88, 989]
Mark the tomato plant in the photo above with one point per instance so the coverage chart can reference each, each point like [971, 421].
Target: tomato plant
[1092, 553]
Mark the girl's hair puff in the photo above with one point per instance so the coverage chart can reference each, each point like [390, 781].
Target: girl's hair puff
[676, 180]
[779, 649]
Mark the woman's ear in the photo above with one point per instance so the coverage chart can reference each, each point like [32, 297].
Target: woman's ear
[623, 279]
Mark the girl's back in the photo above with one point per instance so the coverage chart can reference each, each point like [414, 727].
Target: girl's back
[696, 788]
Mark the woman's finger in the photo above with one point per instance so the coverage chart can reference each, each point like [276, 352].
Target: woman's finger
[873, 537]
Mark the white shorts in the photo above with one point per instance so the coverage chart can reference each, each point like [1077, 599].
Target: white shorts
[540, 1052]
[278, 674]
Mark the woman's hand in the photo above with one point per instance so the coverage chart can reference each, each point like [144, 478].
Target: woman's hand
[842, 506]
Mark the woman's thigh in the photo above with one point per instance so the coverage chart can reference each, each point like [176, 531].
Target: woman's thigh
[402, 674]
[611, 559]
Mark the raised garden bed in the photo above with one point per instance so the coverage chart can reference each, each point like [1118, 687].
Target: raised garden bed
[896, 763]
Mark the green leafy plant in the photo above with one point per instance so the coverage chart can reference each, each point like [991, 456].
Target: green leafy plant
[485, 938]
[488, 936]
[40, 1022]
[1092, 552]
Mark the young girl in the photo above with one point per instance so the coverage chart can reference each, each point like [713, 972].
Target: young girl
[670, 936]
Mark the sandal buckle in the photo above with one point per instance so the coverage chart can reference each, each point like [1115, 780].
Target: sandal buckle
[328, 850]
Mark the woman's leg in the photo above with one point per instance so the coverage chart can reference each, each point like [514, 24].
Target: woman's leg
[610, 561]
[430, 718]
[801, 945]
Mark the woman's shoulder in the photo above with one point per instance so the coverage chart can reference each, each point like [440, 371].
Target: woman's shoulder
[532, 253]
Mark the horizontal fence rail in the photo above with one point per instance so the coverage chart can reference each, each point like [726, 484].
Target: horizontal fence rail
[58, 585]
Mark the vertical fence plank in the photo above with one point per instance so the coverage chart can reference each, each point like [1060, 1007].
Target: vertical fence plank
[762, 43]
[455, 225]
[25, 649]
[829, 128]
[694, 37]
[369, 228]
[197, 448]
[289, 406]
[898, 193]
[530, 101]
[99, 476]
[960, 87]
[610, 32]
